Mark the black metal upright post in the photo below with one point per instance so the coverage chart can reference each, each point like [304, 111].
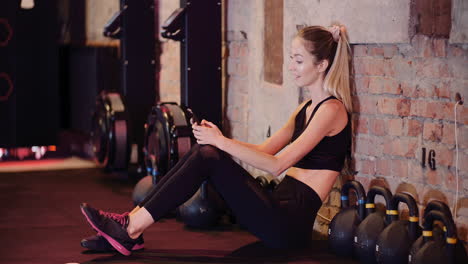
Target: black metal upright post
[201, 59]
[138, 64]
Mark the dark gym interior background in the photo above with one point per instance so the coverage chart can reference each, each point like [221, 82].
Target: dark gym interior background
[410, 130]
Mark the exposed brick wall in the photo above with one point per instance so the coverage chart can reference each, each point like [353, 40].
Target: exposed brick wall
[169, 74]
[237, 85]
[404, 101]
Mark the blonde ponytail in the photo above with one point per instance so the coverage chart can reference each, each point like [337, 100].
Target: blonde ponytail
[338, 79]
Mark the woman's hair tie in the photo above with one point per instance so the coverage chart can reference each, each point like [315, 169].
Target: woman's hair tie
[335, 31]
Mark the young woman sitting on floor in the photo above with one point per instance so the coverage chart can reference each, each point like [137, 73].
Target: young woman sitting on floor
[315, 142]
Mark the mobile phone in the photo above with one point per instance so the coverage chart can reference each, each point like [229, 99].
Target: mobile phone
[193, 117]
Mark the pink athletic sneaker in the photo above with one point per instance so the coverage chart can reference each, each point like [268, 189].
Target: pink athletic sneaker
[113, 227]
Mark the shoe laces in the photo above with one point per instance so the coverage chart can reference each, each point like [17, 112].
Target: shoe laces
[120, 218]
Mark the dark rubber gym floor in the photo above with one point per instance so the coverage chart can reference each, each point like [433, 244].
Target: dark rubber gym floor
[40, 223]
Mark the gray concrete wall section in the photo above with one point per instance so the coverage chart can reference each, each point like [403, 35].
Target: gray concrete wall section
[366, 19]
[459, 31]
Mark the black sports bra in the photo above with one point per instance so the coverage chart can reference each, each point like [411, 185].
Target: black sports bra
[330, 152]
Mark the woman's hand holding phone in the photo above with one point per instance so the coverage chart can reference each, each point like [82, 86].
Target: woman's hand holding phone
[204, 131]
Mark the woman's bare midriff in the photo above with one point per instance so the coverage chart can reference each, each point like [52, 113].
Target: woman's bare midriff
[321, 181]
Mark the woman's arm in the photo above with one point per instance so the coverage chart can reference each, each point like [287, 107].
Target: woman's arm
[320, 126]
[279, 139]
[249, 145]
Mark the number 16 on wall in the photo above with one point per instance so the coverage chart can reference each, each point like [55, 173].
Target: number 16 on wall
[430, 159]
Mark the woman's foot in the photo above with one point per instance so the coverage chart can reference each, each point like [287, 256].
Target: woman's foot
[99, 244]
[113, 227]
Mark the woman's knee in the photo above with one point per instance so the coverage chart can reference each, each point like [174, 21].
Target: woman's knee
[209, 152]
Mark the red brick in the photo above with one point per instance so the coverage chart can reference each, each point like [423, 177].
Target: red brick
[429, 109]
[239, 131]
[443, 156]
[389, 68]
[382, 167]
[457, 68]
[365, 104]
[375, 85]
[390, 51]
[234, 114]
[399, 168]
[364, 180]
[377, 126]
[375, 67]
[243, 67]
[433, 68]
[244, 49]
[394, 106]
[450, 181]
[357, 162]
[236, 99]
[456, 51]
[408, 89]
[362, 84]
[446, 111]
[359, 50]
[433, 177]
[462, 134]
[232, 66]
[391, 86]
[432, 132]
[403, 147]
[361, 145]
[434, 110]
[463, 116]
[414, 127]
[367, 167]
[415, 171]
[442, 90]
[234, 50]
[395, 127]
[413, 146]
[444, 70]
[404, 68]
[375, 51]
[462, 164]
[360, 125]
[448, 134]
[440, 49]
[240, 85]
[236, 35]
[360, 64]
[426, 89]
[376, 146]
[422, 45]
[371, 146]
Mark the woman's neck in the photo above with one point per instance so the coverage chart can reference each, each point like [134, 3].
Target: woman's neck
[316, 91]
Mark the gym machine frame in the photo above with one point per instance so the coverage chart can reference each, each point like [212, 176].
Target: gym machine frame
[134, 26]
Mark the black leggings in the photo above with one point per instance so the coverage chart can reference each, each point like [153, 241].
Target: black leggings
[282, 218]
